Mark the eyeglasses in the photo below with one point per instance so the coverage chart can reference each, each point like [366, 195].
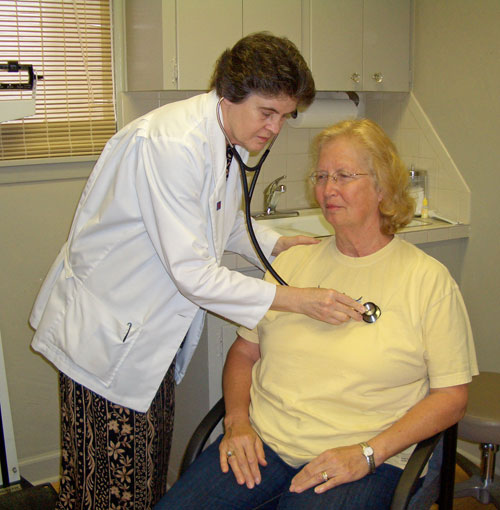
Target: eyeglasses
[341, 178]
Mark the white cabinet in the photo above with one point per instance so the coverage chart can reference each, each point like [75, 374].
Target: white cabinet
[144, 44]
[280, 17]
[221, 334]
[204, 30]
[360, 45]
[386, 45]
[174, 44]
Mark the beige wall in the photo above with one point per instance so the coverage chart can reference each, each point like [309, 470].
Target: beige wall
[35, 219]
[456, 80]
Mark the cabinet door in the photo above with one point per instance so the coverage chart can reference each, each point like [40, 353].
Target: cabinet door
[336, 35]
[386, 45]
[144, 45]
[204, 30]
[280, 17]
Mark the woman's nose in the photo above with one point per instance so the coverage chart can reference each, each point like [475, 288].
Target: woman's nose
[275, 125]
[331, 185]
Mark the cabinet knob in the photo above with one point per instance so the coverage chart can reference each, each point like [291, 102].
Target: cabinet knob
[355, 77]
[378, 77]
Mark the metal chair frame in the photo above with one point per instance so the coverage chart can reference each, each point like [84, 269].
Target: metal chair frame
[408, 482]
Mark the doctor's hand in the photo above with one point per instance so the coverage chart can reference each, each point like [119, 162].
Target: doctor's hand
[242, 450]
[332, 468]
[325, 305]
[285, 242]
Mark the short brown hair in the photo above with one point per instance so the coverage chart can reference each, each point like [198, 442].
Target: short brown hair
[391, 175]
[265, 64]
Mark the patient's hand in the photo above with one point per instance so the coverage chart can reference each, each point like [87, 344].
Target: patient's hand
[247, 453]
[341, 465]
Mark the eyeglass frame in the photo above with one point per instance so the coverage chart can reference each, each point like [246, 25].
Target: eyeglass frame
[335, 177]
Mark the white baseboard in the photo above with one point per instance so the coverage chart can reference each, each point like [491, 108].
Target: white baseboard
[41, 468]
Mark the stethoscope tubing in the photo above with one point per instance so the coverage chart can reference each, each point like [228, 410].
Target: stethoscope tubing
[372, 310]
[248, 193]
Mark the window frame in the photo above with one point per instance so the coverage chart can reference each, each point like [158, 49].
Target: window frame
[75, 167]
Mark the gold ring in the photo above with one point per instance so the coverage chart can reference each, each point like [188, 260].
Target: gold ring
[324, 476]
[229, 453]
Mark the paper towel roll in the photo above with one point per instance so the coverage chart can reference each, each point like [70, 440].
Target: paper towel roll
[325, 112]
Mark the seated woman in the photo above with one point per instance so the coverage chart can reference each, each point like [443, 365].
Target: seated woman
[322, 417]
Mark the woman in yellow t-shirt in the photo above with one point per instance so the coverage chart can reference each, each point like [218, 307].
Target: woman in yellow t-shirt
[323, 417]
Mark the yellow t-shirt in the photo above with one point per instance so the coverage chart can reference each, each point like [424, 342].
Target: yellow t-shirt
[318, 386]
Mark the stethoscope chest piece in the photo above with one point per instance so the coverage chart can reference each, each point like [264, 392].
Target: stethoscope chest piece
[372, 312]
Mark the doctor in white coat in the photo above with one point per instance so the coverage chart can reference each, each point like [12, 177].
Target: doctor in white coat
[127, 295]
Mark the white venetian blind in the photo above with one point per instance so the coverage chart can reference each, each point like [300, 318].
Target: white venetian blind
[68, 42]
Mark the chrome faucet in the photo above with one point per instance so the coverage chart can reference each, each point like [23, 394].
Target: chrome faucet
[271, 195]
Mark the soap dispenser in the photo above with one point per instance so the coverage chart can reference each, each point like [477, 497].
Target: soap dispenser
[425, 208]
[418, 188]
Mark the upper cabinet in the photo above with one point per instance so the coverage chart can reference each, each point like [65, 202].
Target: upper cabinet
[350, 44]
[205, 28]
[360, 45]
[174, 44]
[280, 17]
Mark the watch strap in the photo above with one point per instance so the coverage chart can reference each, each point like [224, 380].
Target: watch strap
[368, 453]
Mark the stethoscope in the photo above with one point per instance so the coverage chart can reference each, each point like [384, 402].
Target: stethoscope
[372, 310]
[248, 192]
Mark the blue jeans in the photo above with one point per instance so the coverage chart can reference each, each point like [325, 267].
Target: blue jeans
[204, 486]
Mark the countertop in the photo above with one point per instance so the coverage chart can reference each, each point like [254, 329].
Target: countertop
[434, 231]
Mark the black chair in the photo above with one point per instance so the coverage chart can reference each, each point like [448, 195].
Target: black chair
[439, 481]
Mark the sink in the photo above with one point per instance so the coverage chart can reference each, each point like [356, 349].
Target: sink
[275, 215]
[312, 223]
[309, 222]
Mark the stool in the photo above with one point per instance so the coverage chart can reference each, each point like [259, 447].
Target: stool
[481, 424]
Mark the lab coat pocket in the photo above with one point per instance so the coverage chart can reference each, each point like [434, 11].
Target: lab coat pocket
[102, 341]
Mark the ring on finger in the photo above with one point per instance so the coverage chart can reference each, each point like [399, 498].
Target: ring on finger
[229, 453]
[324, 475]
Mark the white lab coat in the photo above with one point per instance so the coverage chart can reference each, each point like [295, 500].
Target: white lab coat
[142, 260]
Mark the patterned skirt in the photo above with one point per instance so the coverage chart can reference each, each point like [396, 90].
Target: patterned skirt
[113, 457]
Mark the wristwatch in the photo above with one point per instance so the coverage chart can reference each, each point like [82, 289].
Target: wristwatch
[368, 453]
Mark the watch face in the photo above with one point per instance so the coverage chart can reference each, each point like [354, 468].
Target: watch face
[368, 450]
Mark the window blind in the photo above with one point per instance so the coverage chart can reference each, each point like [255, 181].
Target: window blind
[68, 42]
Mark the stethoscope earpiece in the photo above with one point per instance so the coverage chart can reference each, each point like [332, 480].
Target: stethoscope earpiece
[372, 312]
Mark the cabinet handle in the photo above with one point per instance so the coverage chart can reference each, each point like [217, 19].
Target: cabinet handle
[378, 77]
[355, 77]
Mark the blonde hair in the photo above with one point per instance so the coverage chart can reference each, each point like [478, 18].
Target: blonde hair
[390, 173]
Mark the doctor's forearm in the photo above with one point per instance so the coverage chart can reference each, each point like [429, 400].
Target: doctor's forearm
[326, 305]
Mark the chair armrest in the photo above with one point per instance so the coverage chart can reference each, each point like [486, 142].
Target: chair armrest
[447, 484]
[201, 434]
[412, 471]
